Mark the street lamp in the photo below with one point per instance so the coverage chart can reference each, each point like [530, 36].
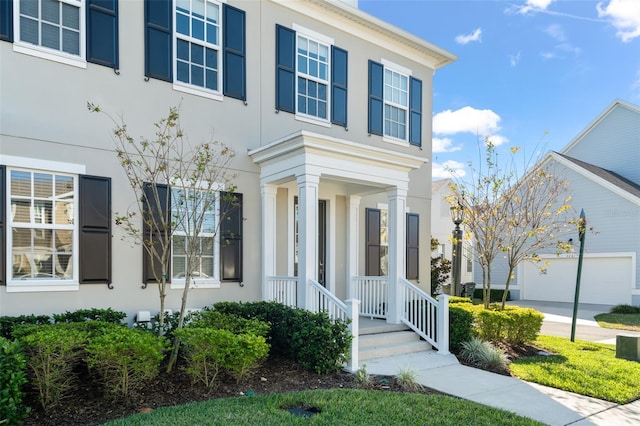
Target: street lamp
[457, 216]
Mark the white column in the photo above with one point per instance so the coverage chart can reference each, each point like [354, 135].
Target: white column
[397, 256]
[353, 245]
[307, 234]
[268, 195]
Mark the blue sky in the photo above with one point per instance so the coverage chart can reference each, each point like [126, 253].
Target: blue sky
[530, 73]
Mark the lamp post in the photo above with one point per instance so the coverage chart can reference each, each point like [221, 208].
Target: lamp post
[457, 216]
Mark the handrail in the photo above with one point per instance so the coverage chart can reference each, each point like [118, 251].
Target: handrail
[322, 300]
[425, 315]
[373, 295]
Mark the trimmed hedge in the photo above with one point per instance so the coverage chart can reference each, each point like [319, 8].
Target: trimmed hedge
[93, 314]
[514, 325]
[625, 309]
[7, 324]
[495, 295]
[12, 377]
[311, 339]
[460, 326]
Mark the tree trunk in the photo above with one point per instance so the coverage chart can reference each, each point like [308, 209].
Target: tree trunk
[506, 287]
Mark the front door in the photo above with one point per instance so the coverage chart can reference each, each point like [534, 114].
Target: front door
[322, 240]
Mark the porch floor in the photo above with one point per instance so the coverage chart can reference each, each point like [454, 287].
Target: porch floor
[370, 325]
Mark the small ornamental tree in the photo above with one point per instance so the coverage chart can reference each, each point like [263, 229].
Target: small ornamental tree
[511, 216]
[178, 189]
[440, 268]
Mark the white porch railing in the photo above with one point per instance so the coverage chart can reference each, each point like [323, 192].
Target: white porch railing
[425, 315]
[321, 300]
[283, 290]
[373, 295]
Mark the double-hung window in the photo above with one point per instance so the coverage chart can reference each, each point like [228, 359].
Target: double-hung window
[72, 32]
[198, 45]
[313, 77]
[395, 103]
[195, 214]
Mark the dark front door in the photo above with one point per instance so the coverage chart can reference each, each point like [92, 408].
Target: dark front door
[322, 240]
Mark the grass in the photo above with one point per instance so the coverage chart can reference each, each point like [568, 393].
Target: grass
[337, 406]
[619, 321]
[581, 367]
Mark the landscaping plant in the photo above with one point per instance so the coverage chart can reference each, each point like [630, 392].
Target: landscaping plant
[483, 354]
[12, 378]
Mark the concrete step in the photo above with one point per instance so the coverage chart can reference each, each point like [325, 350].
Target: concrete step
[381, 345]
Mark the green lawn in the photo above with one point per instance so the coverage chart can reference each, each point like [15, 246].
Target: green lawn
[582, 367]
[619, 321]
[337, 407]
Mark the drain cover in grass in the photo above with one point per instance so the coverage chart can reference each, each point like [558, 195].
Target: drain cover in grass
[304, 412]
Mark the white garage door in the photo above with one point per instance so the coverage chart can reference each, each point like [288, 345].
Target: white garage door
[606, 279]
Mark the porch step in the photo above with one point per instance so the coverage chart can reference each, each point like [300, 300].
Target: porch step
[383, 344]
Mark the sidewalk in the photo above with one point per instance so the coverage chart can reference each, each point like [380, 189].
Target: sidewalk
[548, 405]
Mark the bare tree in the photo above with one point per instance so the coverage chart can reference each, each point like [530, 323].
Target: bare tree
[178, 190]
[517, 217]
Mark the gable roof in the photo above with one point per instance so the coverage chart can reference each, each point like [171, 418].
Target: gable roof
[618, 103]
[606, 178]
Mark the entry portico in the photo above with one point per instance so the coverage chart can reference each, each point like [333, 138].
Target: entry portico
[312, 160]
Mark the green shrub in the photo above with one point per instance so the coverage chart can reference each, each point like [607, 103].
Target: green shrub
[170, 323]
[125, 358]
[514, 324]
[52, 352]
[483, 354]
[460, 325]
[12, 377]
[311, 339]
[495, 295]
[93, 314]
[232, 323]
[7, 324]
[625, 309]
[458, 299]
[209, 351]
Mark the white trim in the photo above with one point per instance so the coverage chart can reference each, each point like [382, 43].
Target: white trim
[311, 119]
[41, 286]
[312, 34]
[398, 68]
[178, 284]
[37, 164]
[180, 86]
[396, 141]
[33, 50]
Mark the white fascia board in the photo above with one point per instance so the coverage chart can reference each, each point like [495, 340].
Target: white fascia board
[593, 177]
[366, 27]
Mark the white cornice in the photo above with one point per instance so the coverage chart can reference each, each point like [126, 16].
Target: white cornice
[362, 25]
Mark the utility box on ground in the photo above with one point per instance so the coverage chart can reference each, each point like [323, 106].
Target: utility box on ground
[628, 347]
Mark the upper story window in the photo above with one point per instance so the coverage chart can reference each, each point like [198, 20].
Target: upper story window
[197, 62]
[311, 76]
[395, 103]
[199, 45]
[72, 32]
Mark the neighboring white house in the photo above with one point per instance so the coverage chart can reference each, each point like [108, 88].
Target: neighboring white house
[328, 109]
[602, 167]
[442, 228]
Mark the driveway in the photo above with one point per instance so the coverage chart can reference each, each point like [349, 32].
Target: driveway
[558, 318]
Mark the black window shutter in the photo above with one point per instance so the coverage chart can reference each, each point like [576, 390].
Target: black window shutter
[95, 229]
[6, 20]
[285, 69]
[102, 32]
[231, 237]
[234, 47]
[413, 243]
[158, 39]
[373, 249]
[154, 209]
[415, 112]
[339, 63]
[376, 97]
[3, 240]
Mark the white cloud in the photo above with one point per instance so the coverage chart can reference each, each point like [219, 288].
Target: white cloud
[555, 31]
[480, 122]
[444, 145]
[533, 5]
[515, 59]
[624, 15]
[448, 169]
[474, 36]
[497, 140]
[547, 55]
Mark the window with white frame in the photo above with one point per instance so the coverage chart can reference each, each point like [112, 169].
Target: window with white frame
[53, 25]
[42, 225]
[197, 44]
[312, 77]
[195, 212]
[396, 104]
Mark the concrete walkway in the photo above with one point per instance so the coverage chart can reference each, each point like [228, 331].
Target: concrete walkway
[548, 405]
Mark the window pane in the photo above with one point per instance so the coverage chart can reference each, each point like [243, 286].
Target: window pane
[179, 245]
[197, 29]
[64, 266]
[197, 54]
[183, 50]
[64, 187]
[64, 239]
[198, 8]
[179, 267]
[323, 53]
[322, 109]
[20, 211]
[71, 42]
[70, 16]
[313, 49]
[29, 30]
[51, 11]
[323, 71]
[212, 34]
[312, 89]
[197, 75]
[302, 64]
[183, 5]
[29, 8]
[313, 67]
[213, 13]
[42, 212]
[20, 183]
[182, 24]
[212, 80]
[322, 92]
[302, 45]
[51, 36]
[43, 185]
[302, 104]
[302, 86]
[206, 245]
[207, 267]
[312, 106]
[183, 72]
[212, 59]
